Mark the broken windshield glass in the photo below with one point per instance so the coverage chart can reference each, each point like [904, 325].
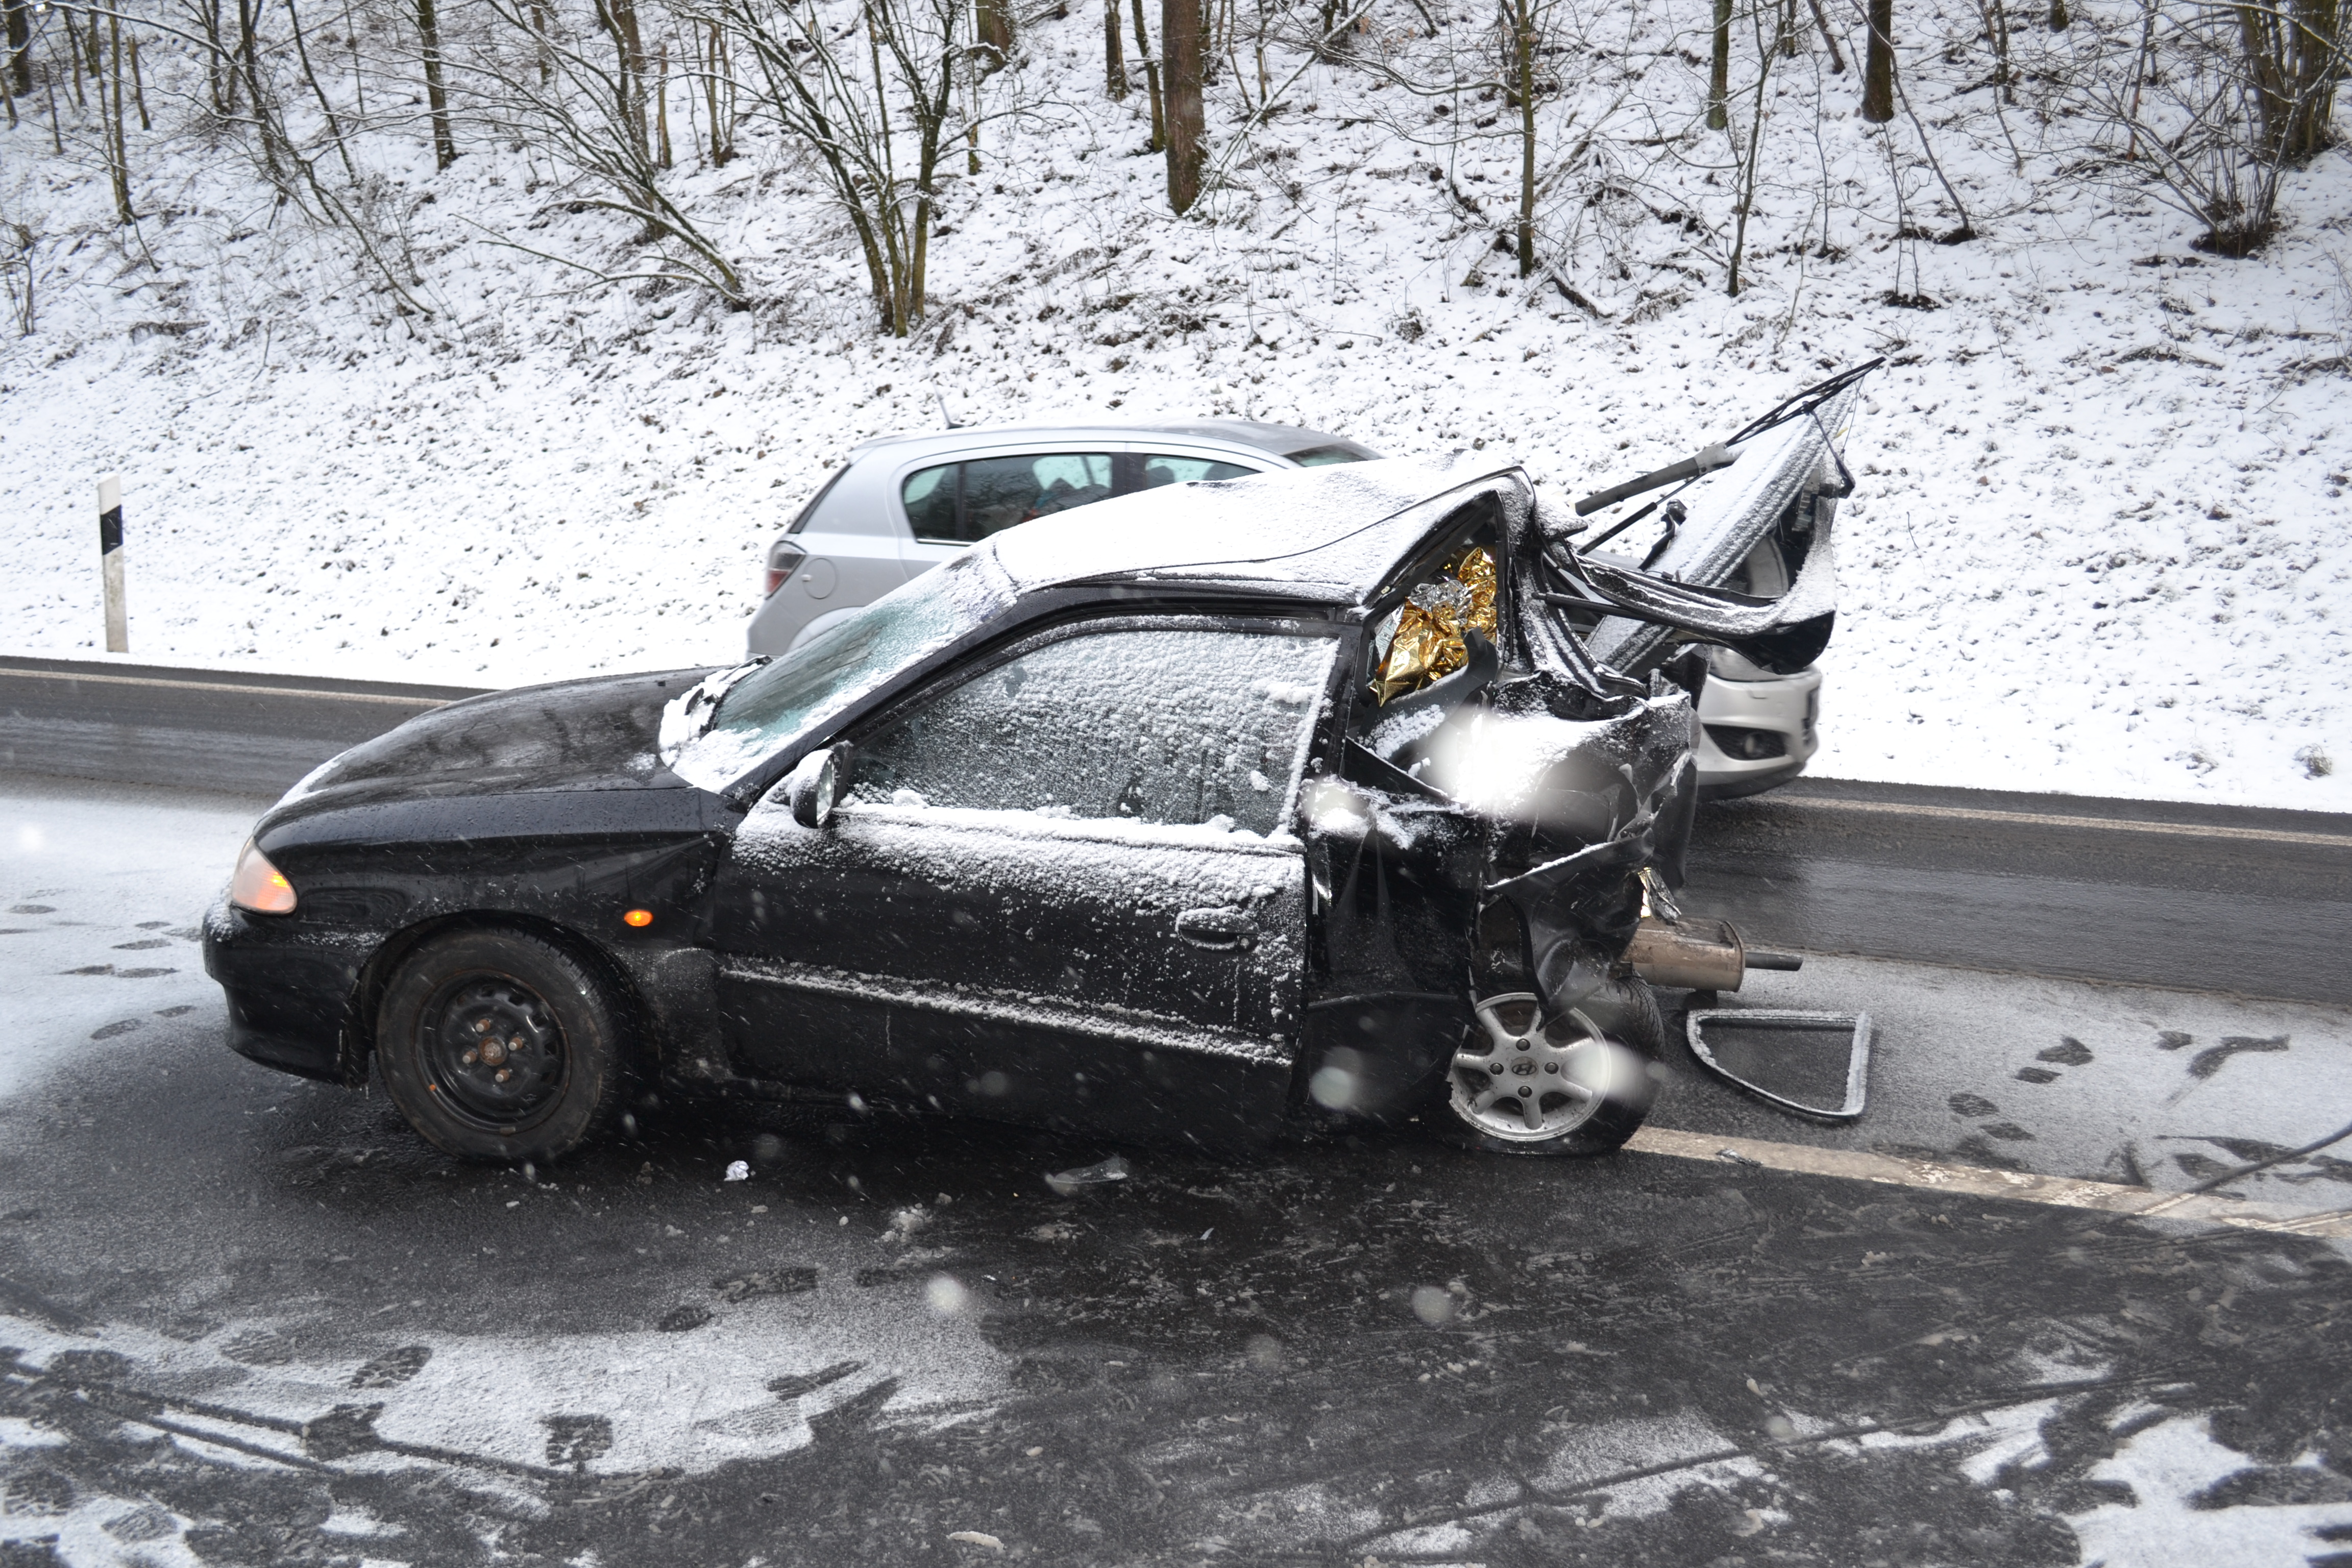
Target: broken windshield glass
[851, 660]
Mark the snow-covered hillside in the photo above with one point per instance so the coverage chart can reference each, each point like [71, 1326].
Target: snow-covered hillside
[2103, 544]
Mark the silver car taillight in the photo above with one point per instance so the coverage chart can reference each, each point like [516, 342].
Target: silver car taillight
[784, 558]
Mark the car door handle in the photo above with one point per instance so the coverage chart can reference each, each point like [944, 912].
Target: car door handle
[1218, 928]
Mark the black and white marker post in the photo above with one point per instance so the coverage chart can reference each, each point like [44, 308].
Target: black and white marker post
[109, 556]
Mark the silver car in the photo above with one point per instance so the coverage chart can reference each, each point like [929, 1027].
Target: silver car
[902, 504]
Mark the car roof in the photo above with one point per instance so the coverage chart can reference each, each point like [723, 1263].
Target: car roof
[1331, 536]
[1277, 440]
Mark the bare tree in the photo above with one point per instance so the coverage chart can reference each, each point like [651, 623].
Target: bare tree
[1150, 80]
[993, 24]
[1179, 47]
[1878, 64]
[869, 89]
[20, 44]
[1719, 74]
[2295, 54]
[436, 94]
[590, 117]
[117, 147]
[2215, 102]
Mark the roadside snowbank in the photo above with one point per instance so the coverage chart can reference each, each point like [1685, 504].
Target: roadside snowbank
[2101, 546]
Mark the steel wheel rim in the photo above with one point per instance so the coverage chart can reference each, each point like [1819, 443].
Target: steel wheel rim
[1525, 1079]
[494, 1053]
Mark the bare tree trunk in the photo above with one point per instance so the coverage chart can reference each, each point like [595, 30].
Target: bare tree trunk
[220, 80]
[1150, 79]
[119, 146]
[1996, 18]
[992, 21]
[1837, 56]
[249, 27]
[1523, 70]
[661, 105]
[436, 96]
[722, 145]
[139, 87]
[2292, 59]
[2059, 19]
[1187, 125]
[302, 53]
[1751, 155]
[1718, 73]
[359, 79]
[1878, 65]
[20, 44]
[1114, 58]
[8, 97]
[73, 61]
[622, 18]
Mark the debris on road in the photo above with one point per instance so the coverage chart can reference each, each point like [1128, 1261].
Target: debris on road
[738, 1170]
[1064, 1182]
[1853, 1028]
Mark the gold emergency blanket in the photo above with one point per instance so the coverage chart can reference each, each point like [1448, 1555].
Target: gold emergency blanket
[1428, 640]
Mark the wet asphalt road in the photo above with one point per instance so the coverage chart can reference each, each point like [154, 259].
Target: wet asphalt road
[255, 1321]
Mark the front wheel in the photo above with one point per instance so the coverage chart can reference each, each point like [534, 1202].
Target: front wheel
[498, 1046]
[1578, 1082]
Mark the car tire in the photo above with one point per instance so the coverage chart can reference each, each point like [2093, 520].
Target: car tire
[498, 1046]
[1607, 1046]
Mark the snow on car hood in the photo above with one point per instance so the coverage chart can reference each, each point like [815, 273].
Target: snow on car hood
[597, 733]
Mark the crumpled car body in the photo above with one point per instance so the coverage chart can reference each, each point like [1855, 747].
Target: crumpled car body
[1117, 838]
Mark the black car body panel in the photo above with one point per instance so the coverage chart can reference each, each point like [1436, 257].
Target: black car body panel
[1308, 947]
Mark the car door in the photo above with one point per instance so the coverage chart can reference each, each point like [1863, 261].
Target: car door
[1062, 888]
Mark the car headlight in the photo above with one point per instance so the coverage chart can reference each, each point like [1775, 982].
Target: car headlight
[259, 886]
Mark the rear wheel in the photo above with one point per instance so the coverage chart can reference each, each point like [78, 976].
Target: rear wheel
[1576, 1082]
[499, 1046]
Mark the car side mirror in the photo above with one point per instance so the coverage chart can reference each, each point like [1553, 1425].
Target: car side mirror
[814, 788]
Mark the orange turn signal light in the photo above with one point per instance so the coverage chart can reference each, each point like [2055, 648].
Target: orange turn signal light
[258, 886]
[638, 917]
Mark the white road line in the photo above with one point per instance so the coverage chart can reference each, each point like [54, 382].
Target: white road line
[2088, 824]
[1976, 1181]
[420, 703]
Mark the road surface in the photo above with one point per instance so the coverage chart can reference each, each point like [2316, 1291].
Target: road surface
[255, 1320]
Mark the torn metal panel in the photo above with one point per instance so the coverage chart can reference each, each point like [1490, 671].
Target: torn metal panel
[1855, 1028]
[1790, 478]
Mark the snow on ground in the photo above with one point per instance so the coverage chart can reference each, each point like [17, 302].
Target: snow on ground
[2100, 545]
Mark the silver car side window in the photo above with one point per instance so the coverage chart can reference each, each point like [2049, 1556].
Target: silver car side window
[1179, 727]
[930, 497]
[1165, 468]
[962, 503]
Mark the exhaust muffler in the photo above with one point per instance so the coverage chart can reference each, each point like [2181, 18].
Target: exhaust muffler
[1695, 954]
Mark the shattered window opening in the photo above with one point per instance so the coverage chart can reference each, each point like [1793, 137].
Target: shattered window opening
[1422, 640]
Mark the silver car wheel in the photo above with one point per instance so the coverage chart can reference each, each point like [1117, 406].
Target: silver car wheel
[1532, 1080]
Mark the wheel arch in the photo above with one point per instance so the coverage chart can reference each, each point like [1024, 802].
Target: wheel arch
[357, 1046]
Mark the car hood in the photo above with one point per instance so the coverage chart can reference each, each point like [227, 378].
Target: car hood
[597, 735]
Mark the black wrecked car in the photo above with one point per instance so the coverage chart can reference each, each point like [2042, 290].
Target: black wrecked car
[1197, 814]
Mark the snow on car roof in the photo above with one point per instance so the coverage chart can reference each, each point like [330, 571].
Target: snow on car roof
[1333, 534]
[1279, 439]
